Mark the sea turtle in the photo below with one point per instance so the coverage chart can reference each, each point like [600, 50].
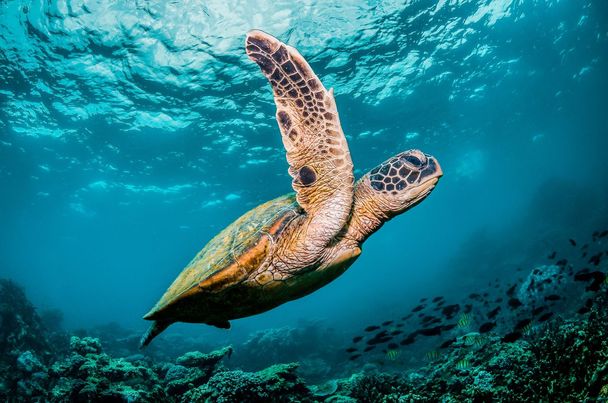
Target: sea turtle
[293, 245]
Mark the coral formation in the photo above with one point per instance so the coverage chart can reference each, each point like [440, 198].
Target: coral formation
[564, 360]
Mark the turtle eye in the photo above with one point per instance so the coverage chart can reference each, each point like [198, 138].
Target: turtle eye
[415, 161]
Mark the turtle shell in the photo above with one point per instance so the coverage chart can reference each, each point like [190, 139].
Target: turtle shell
[232, 254]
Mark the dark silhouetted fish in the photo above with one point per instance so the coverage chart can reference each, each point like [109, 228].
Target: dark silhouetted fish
[492, 314]
[514, 303]
[396, 332]
[475, 296]
[430, 331]
[596, 259]
[596, 277]
[552, 255]
[423, 299]
[447, 343]
[351, 350]
[408, 340]
[450, 310]
[583, 310]
[357, 339]
[372, 328]
[418, 308]
[393, 346]
[603, 234]
[562, 262]
[511, 290]
[388, 322]
[406, 317]
[552, 297]
[545, 317]
[354, 357]
[572, 242]
[523, 324]
[446, 328]
[486, 327]
[538, 310]
[437, 299]
[369, 348]
[511, 337]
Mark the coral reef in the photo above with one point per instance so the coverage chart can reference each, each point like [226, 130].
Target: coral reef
[562, 360]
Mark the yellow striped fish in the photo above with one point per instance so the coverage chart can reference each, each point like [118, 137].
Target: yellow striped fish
[432, 355]
[464, 321]
[393, 354]
[474, 339]
[463, 364]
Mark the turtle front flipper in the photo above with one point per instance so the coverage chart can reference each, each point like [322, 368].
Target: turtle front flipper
[317, 152]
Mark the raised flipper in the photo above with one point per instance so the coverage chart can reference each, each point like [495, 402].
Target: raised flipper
[317, 152]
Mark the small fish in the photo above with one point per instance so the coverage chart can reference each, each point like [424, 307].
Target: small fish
[430, 331]
[538, 310]
[354, 357]
[369, 348]
[511, 337]
[408, 340]
[447, 343]
[396, 332]
[522, 324]
[393, 354]
[464, 321]
[514, 303]
[446, 328]
[393, 346]
[545, 317]
[432, 355]
[562, 262]
[372, 328]
[492, 314]
[473, 339]
[450, 310]
[486, 327]
[603, 234]
[552, 255]
[388, 322]
[423, 299]
[552, 297]
[596, 259]
[511, 290]
[437, 299]
[351, 350]
[406, 317]
[463, 364]
[583, 310]
[474, 296]
[572, 242]
[418, 308]
[357, 339]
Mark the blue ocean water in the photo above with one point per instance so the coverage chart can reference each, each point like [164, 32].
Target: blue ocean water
[132, 132]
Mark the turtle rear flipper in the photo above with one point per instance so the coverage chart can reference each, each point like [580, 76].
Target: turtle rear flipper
[157, 327]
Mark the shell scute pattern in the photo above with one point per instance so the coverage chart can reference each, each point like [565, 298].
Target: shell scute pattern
[231, 245]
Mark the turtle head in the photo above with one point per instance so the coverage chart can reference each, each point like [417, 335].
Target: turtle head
[395, 186]
[403, 181]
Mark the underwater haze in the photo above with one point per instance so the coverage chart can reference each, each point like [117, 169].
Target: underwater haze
[133, 132]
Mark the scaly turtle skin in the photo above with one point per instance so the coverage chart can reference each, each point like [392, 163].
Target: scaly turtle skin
[293, 245]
